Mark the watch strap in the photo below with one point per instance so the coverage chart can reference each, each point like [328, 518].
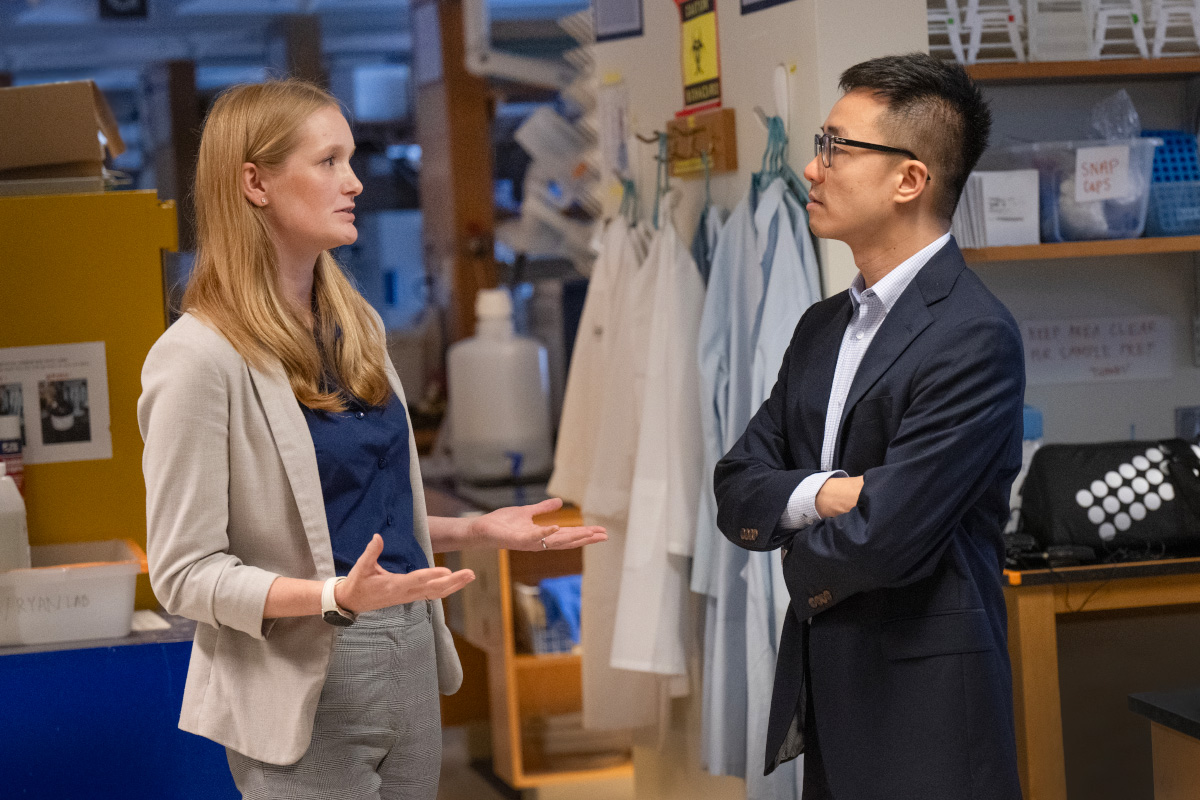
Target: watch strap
[330, 610]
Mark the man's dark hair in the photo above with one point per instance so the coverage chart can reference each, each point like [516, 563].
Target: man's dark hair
[934, 110]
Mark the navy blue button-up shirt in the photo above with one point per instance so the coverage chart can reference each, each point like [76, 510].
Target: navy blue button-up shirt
[362, 457]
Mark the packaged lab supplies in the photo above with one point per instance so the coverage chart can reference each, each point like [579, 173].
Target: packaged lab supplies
[56, 132]
[540, 626]
[72, 591]
[1091, 189]
[998, 209]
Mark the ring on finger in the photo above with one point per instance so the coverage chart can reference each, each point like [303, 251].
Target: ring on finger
[544, 547]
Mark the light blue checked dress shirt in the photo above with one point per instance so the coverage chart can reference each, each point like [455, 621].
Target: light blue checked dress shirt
[871, 307]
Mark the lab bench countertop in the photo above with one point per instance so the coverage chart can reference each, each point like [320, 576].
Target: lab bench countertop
[1178, 709]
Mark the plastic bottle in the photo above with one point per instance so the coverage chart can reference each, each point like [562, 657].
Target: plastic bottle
[1030, 443]
[499, 391]
[14, 535]
[11, 449]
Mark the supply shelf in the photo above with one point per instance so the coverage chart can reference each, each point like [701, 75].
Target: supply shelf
[1124, 69]
[1105, 247]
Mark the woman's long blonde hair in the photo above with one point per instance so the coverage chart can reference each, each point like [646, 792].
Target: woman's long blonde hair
[234, 285]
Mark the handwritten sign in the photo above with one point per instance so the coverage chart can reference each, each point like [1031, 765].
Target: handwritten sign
[1097, 350]
[1101, 173]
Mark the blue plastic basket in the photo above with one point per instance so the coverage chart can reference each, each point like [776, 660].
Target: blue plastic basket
[1175, 188]
[1175, 160]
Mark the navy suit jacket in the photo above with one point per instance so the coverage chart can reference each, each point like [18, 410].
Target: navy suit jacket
[900, 599]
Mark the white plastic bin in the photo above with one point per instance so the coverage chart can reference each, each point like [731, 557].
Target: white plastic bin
[1063, 219]
[73, 591]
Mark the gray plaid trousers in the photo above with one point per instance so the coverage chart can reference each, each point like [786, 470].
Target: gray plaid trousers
[377, 734]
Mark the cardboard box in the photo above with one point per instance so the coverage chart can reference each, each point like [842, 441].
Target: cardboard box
[54, 130]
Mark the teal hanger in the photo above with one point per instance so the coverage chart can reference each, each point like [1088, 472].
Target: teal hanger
[762, 178]
[662, 182]
[630, 208]
[775, 162]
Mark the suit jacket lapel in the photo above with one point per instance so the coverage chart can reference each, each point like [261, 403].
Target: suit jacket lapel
[295, 446]
[818, 378]
[907, 318]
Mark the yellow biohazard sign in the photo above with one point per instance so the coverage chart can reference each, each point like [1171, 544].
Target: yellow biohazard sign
[700, 59]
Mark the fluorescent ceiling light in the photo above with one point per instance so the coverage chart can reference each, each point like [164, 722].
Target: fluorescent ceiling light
[60, 12]
[205, 7]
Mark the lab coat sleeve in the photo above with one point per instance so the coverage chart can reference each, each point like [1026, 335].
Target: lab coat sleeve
[183, 414]
[957, 437]
[756, 478]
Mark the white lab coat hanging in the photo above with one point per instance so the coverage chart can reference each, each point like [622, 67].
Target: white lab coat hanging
[606, 502]
[653, 628]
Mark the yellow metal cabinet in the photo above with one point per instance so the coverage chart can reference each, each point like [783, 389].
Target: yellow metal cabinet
[88, 268]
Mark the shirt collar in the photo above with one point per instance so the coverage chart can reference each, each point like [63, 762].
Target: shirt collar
[889, 288]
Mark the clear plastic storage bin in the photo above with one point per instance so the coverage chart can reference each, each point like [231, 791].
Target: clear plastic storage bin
[73, 591]
[1174, 209]
[1062, 218]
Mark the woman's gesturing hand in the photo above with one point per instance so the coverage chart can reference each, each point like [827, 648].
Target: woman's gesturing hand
[369, 586]
[513, 528]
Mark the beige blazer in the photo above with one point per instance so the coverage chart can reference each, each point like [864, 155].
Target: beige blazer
[233, 500]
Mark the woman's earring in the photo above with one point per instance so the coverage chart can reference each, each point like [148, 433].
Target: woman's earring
[263, 201]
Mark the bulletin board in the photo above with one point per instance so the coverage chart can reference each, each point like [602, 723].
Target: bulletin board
[80, 270]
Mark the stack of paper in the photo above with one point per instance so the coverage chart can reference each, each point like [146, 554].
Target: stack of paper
[998, 209]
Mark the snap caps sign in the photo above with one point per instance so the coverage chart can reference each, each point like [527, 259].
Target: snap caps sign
[1097, 350]
[1101, 173]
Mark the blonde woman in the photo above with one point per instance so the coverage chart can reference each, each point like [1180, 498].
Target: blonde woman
[284, 504]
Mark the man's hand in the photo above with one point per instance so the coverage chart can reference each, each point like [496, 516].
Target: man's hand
[838, 496]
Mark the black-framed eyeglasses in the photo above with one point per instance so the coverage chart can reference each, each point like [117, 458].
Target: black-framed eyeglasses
[823, 148]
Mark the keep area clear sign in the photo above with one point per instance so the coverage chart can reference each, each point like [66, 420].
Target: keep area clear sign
[1097, 350]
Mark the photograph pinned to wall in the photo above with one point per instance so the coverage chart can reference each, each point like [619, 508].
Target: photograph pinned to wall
[61, 394]
[12, 405]
[750, 6]
[64, 408]
[617, 19]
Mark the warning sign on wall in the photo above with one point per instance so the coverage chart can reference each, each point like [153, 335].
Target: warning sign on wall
[700, 58]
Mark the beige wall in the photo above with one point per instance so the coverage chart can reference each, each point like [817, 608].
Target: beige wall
[819, 38]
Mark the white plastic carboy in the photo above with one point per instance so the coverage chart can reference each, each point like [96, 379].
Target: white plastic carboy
[499, 387]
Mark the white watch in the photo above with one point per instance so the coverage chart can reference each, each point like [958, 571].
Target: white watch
[330, 610]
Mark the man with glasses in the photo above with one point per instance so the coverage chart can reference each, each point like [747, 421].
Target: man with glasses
[882, 461]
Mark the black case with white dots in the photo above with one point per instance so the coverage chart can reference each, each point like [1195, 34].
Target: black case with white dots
[1125, 500]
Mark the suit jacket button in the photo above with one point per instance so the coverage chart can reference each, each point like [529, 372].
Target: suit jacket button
[826, 596]
[813, 602]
